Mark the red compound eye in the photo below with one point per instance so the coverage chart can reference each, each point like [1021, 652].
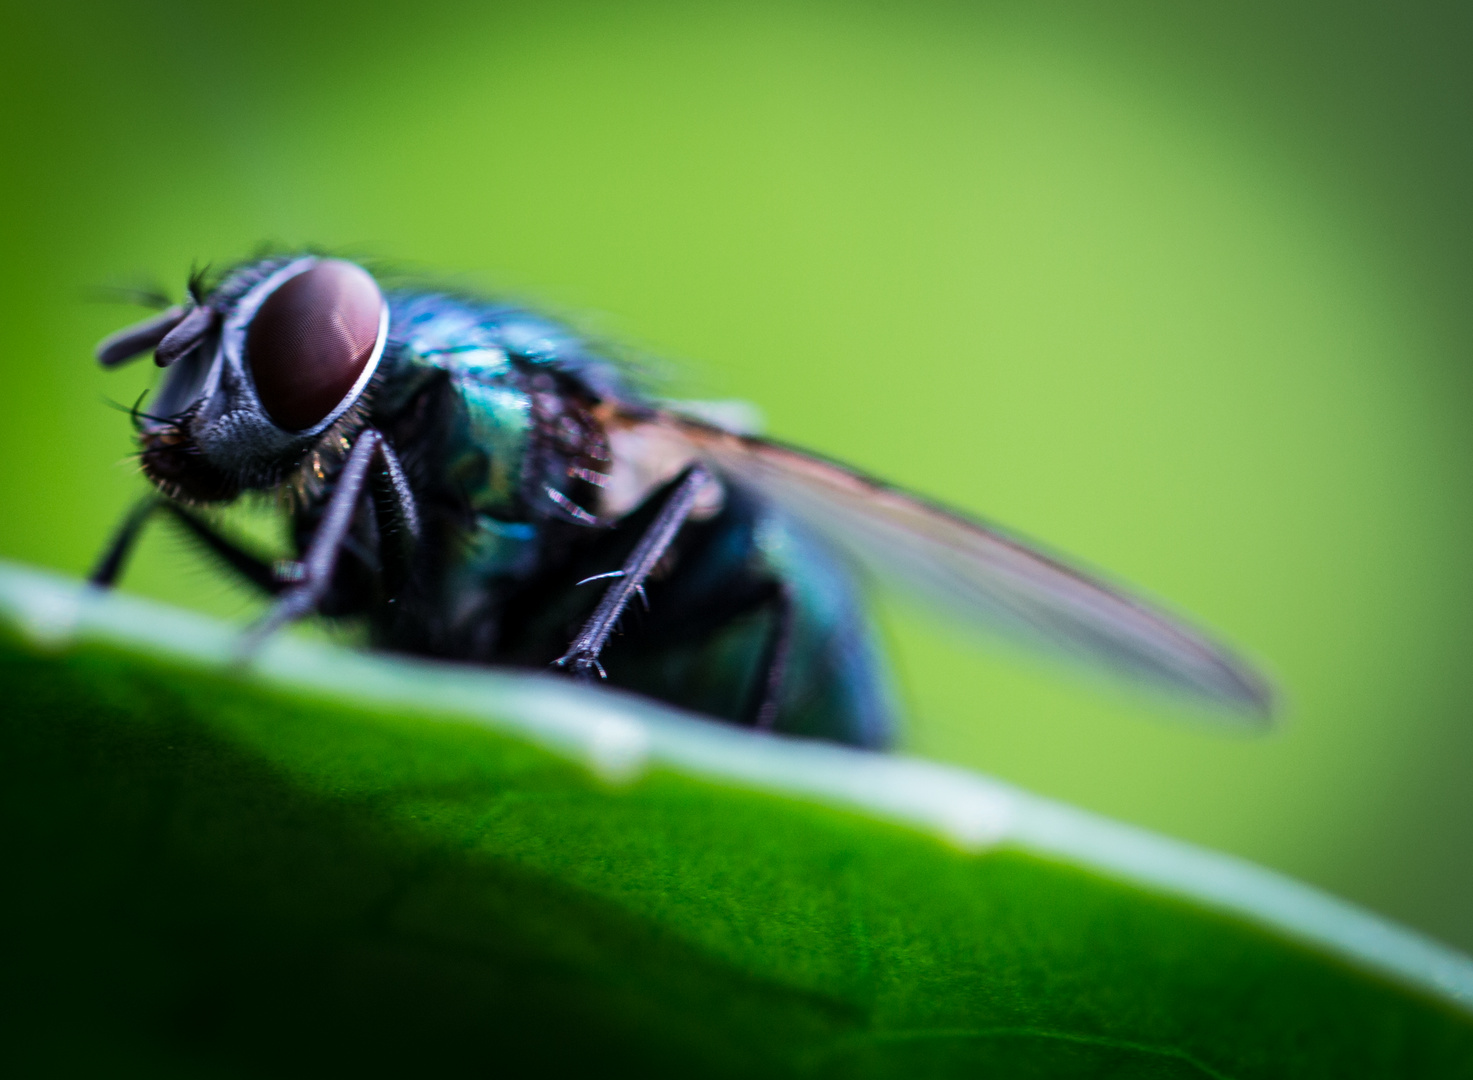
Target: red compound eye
[311, 339]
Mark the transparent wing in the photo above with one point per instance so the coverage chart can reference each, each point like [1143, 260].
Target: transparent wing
[972, 569]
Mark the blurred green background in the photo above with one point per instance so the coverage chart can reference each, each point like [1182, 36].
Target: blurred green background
[1181, 289]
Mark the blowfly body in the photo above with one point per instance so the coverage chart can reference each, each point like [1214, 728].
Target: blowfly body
[475, 483]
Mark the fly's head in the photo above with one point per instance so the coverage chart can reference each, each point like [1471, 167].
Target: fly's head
[266, 370]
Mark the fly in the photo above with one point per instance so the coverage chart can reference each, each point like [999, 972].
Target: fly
[476, 483]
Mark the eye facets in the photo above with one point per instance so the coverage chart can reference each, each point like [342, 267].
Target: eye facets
[311, 340]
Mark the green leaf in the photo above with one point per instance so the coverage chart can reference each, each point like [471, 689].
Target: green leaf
[341, 863]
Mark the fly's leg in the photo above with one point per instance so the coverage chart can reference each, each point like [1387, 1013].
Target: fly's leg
[310, 578]
[258, 572]
[582, 655]
[773, 668]
[397, 518]
[110, 566]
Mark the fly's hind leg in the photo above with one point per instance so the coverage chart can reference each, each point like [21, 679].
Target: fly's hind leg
[582, 655]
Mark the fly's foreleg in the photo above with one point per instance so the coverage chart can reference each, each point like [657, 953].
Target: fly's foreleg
[310, 578]
[397, 517]
[582, 655]
[258, 572]
[110, 567]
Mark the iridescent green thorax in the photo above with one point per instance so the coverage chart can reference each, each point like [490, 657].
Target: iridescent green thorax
[491, 445]
[494, 425]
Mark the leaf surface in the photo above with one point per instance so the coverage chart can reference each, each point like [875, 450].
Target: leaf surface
[332, 862]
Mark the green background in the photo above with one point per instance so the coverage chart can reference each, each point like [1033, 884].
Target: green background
[1179, 290]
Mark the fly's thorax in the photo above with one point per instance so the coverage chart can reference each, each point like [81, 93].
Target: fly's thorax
[522, 442]
[568, 458]
[501, 549]
[274, 382]
[525, 447]
[498, 427]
